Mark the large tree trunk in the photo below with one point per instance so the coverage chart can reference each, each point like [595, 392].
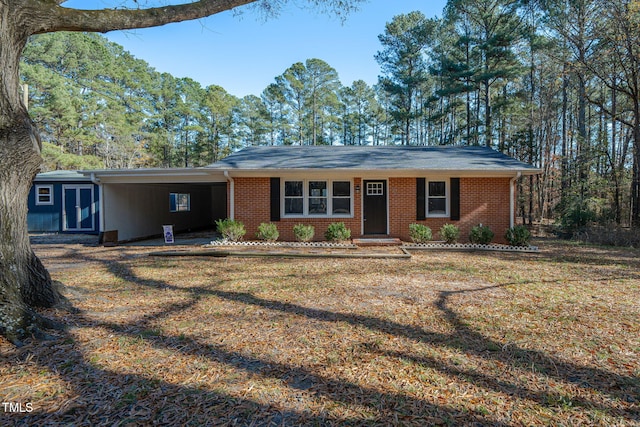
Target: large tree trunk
[24, 282]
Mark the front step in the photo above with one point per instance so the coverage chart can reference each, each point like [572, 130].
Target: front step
[377, 241]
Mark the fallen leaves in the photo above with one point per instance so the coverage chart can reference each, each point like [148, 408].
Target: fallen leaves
[443, 338]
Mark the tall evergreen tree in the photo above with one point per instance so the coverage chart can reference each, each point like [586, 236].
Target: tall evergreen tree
[492, 31]
[275, 103]
[404, 67]
[218, 108]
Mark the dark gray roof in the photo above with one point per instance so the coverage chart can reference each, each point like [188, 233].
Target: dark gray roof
[372, 158]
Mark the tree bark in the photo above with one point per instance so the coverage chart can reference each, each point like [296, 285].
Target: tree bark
[24, 282]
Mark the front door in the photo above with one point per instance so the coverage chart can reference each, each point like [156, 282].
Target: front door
[78, 214]
[375, 207]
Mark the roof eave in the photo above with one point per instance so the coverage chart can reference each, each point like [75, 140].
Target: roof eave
[400, 173]
[182, 175]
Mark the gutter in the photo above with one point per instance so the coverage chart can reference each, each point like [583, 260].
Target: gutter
[232, 189]
[512, 199]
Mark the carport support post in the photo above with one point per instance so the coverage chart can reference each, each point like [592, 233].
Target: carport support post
[96, 181]
[231, 195]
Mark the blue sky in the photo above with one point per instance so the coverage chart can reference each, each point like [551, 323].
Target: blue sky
[244, 54]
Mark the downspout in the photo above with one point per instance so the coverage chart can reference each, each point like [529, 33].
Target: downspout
[101, 213]
[512, 199]
[231, 195]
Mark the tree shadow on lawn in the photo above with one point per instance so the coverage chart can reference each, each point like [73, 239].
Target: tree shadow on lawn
[170, 401]
[108, 397]
[469, 341]
[473, 343]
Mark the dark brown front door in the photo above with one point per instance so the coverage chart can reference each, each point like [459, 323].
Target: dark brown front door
[375, 207]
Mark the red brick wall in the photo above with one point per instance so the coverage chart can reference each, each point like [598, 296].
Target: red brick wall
[482, 200]
[486, 201]
[253, 207]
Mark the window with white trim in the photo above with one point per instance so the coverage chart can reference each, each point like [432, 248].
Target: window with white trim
[437, 198]
[317, 198]
[179, 202]
[44, 194]
[341, 198]
[293, 198]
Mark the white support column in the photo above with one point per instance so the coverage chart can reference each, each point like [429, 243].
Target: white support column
[231, 195]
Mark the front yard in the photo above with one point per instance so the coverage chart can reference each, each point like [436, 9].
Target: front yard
[451, 338]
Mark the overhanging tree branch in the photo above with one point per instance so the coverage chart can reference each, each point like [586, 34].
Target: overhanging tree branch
[49, 16]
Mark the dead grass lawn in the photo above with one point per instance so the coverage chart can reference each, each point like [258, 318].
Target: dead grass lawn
[442, 339]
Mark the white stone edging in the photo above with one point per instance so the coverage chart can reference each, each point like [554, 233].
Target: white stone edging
[407, 246]
[471, 246]
[283, 244]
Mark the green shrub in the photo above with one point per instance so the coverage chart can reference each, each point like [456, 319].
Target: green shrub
[419, 233]
[337, 232]
[518, 236]
[230, 229]
[303, 233]
[481, 234]
[268, 231]
[578, 213]
[449, 233]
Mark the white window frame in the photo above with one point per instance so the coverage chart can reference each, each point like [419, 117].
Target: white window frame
[306, 196]
[447, 185]
[179, 206]
[39, 201]
[375, 188]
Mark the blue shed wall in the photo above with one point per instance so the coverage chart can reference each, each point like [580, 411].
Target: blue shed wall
[49, 218]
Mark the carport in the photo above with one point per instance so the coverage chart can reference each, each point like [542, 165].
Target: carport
[136, 203]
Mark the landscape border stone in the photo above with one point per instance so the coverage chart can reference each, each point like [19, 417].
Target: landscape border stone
[329, 245]
[471, 246]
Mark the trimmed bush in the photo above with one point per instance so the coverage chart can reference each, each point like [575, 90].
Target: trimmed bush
[337, 232]
[268, 231]
[449, 233]
[230, 229]
[481, 234]
[518, 236]
[419, 233]
[303, 233]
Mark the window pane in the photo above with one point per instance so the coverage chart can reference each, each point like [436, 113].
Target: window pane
[341, 206]
[293, 206]
[317, 205]
[317, 189]
[342, 188]
[179, 202]
[44, 191]
[437, 189]
[437, 206]
[375, 189]
[293, 188]
[183, 201]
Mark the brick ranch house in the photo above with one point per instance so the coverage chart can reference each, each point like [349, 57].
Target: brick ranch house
[374, 190]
